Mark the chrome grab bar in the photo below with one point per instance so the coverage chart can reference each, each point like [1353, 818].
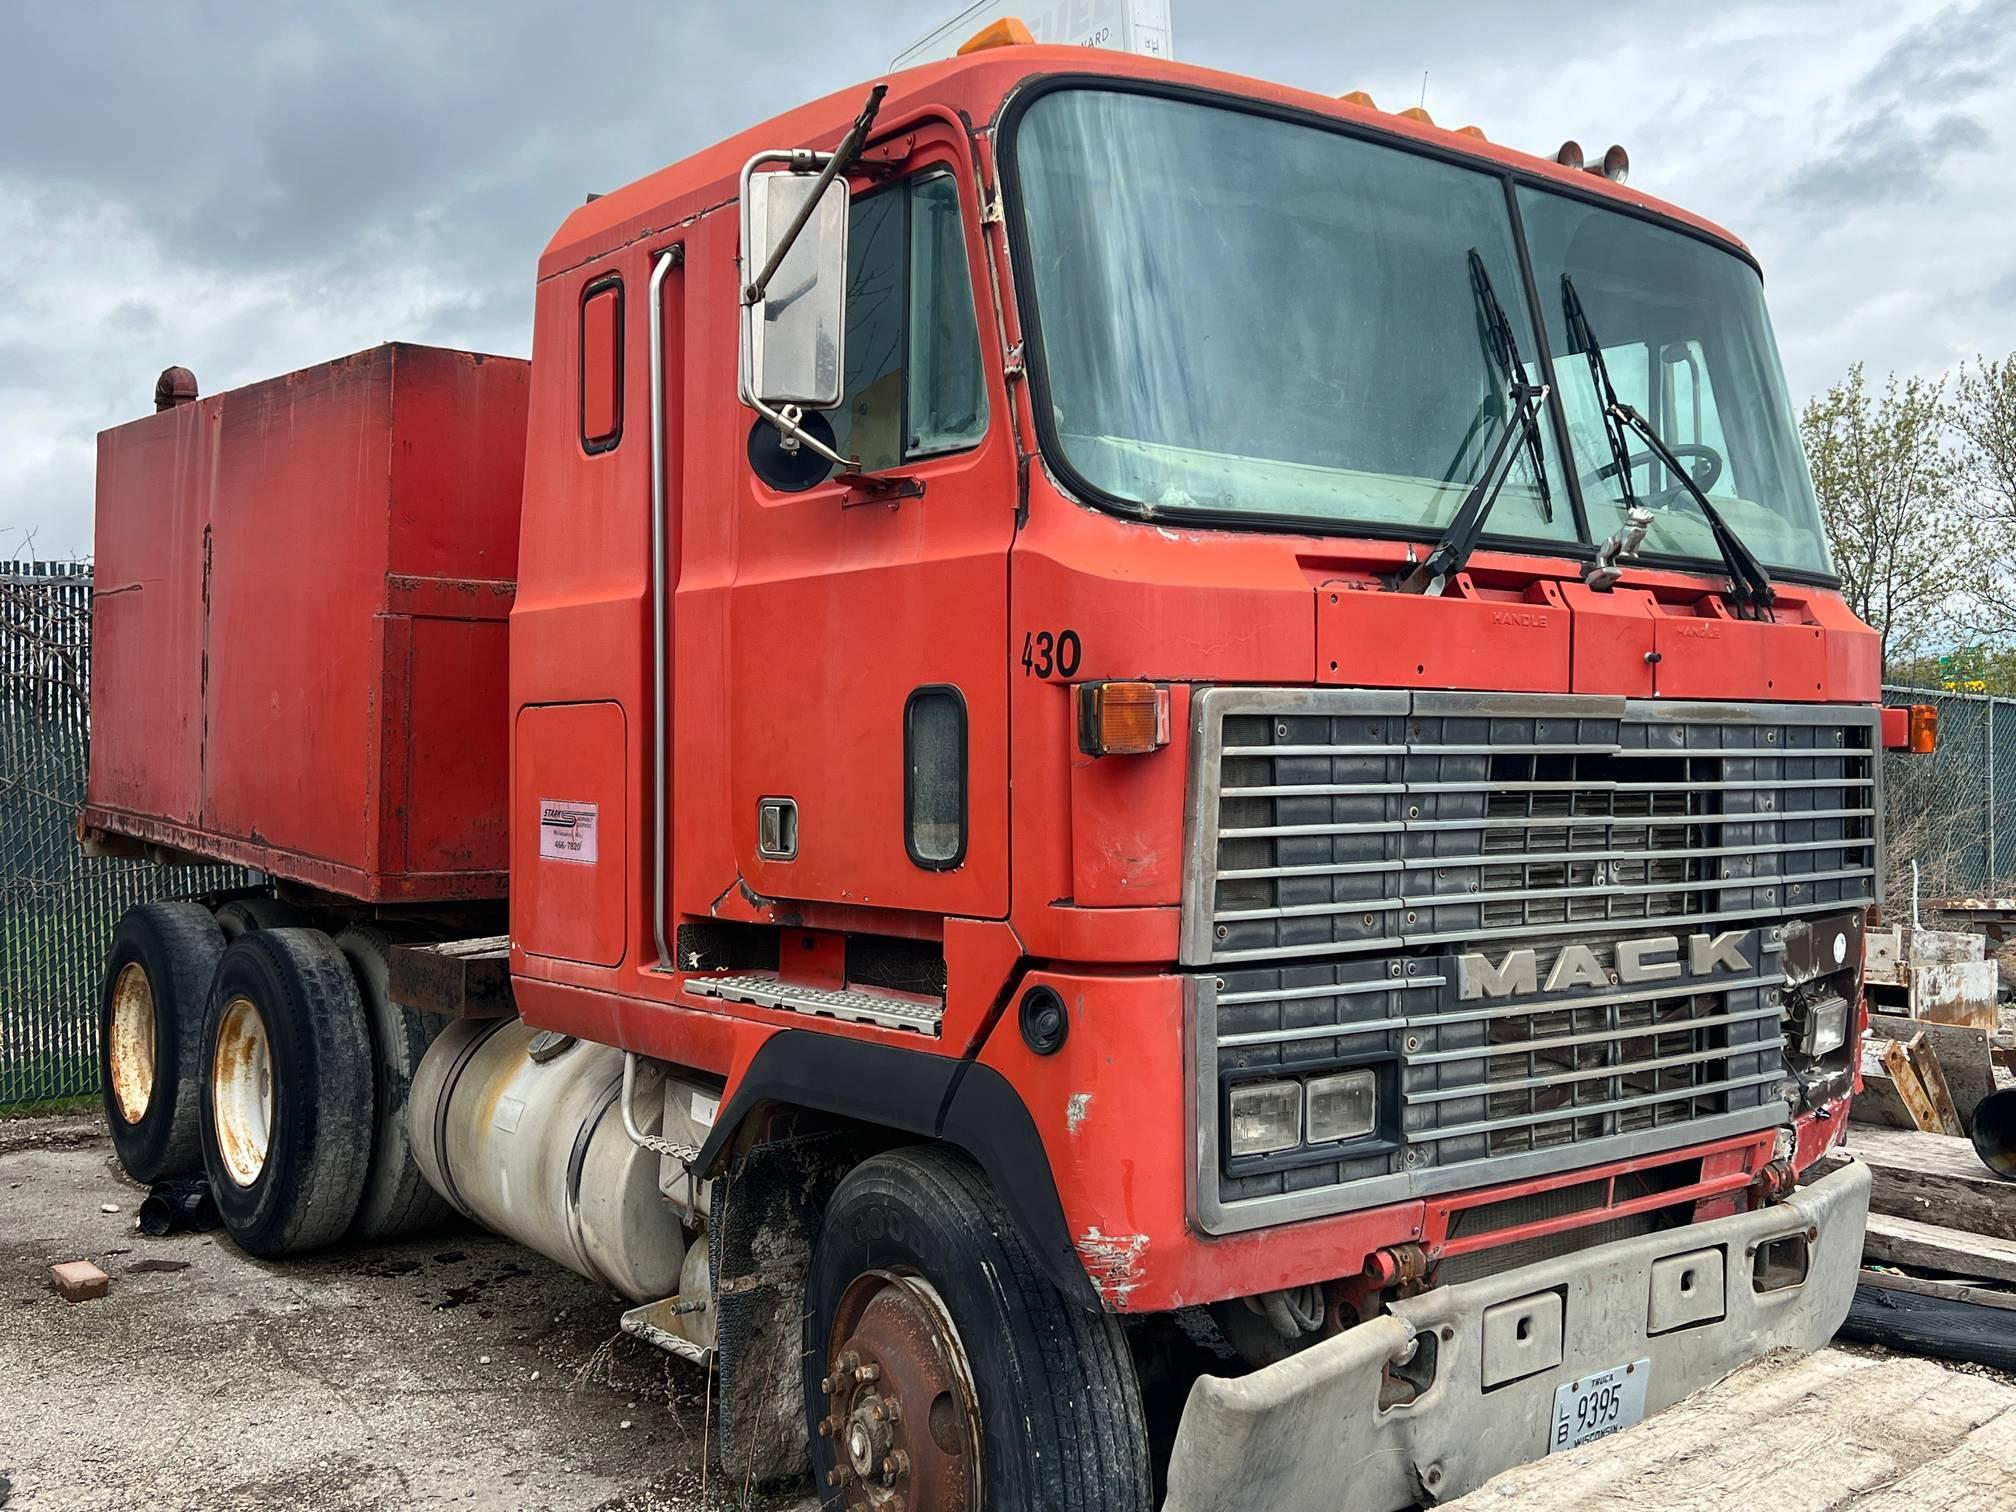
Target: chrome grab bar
[661, 714]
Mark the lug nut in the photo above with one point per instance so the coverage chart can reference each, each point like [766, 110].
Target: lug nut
[825, 1428]
[867, 1374]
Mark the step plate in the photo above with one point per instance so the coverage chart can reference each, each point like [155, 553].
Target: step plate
[849, 1005]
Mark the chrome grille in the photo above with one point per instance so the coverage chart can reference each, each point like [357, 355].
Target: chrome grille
[1350, 849]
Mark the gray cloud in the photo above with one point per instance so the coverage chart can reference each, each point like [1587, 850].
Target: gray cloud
[248, 188]
[1884, 159]
[1952, 55]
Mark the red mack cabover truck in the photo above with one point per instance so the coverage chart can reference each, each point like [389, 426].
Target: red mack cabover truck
[1131, 786]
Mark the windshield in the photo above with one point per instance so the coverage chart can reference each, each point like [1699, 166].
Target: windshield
[1250, 317]
[1255, 319]
[1683, 334]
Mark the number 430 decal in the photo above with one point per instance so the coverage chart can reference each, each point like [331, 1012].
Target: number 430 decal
[1047, 655]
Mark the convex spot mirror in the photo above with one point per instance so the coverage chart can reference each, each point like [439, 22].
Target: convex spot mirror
[792, 336]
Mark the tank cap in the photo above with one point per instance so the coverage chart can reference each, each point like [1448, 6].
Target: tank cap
[548, 1044]
[176, 386]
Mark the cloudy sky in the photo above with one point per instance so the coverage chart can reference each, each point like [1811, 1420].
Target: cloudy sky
[245, 187]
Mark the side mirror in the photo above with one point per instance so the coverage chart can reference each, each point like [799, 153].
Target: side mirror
[794, 329]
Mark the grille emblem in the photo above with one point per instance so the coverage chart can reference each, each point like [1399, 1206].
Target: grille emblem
[1653, 959]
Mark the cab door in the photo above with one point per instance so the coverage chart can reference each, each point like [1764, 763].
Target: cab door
[867, 675]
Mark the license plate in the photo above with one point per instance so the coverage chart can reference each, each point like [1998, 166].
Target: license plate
[1599, 1405]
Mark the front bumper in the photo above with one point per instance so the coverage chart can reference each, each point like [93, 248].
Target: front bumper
[1310, 1433]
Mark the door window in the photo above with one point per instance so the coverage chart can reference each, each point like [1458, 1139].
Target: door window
[914, 386]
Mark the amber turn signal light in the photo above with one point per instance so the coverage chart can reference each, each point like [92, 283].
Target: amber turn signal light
[1122, 718]
[1924, 729]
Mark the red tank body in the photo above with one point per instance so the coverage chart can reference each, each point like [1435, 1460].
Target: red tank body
[299, 657]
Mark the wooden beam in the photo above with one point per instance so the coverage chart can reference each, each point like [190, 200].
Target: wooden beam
[1931, 1177]
[1931, 1246]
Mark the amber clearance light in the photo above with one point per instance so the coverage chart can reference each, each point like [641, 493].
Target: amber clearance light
[1924, 729]
[1122, 718]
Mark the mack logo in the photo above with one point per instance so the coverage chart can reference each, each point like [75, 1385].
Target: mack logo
[1649, 960]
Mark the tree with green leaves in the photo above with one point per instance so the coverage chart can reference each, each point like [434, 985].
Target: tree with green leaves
[1983, 412]
[1890, 497]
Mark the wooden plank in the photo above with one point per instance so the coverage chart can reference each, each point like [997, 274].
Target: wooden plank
[1796, 1433]
[1933, 1286]
[1925, 1061]
[1977, 1472]
[1963, 1057]
[1931, 1246]
[1931, 1177]
[455, 978]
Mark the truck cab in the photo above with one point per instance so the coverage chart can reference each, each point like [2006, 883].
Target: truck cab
[1070, 778]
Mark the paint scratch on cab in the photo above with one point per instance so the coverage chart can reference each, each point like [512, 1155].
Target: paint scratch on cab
[1076, 1109]
[1113, 1261]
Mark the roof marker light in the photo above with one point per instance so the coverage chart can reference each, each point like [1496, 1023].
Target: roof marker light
[1416, 113]
[1359, 97]
[1009, 31]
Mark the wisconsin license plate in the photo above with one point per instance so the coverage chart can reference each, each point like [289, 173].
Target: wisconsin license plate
[1598, 1405]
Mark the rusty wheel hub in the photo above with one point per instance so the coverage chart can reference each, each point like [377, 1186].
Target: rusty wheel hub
[901, 1409]
[131, 1042]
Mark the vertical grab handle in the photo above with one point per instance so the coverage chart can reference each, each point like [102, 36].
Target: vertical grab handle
[661, 714]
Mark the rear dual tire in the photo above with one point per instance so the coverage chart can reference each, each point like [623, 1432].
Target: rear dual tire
[150, 1019]
[397, 1199]
[286, 1074]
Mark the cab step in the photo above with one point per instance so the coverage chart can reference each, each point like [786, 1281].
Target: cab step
[853, 1005]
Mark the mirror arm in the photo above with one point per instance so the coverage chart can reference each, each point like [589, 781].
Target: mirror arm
[849, 149]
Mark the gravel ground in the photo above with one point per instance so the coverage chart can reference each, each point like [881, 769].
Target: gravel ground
[456, 1370]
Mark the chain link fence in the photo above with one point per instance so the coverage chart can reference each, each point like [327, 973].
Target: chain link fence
[57, 906]
[1953, 812]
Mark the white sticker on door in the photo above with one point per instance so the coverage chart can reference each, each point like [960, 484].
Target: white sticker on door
[566, 831]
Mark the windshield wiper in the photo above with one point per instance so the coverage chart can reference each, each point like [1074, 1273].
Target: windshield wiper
[1442, 563]
[1750, 586]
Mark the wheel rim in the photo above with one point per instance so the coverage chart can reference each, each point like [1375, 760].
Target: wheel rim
[241, 1091]
[131, 1048]
[902, 1413]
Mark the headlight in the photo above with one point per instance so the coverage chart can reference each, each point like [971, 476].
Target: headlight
[1265, 1117]
[1343, 1107]
[1826, 1025]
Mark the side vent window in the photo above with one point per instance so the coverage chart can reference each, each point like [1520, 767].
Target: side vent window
[934, 777]
[602, 364]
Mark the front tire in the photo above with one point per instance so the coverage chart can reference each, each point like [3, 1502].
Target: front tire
[1006, 1394]
[150, 1022]
[287, 1095]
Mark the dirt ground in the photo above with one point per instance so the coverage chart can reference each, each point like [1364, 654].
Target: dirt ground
[460, 1371]
[456, 1370]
